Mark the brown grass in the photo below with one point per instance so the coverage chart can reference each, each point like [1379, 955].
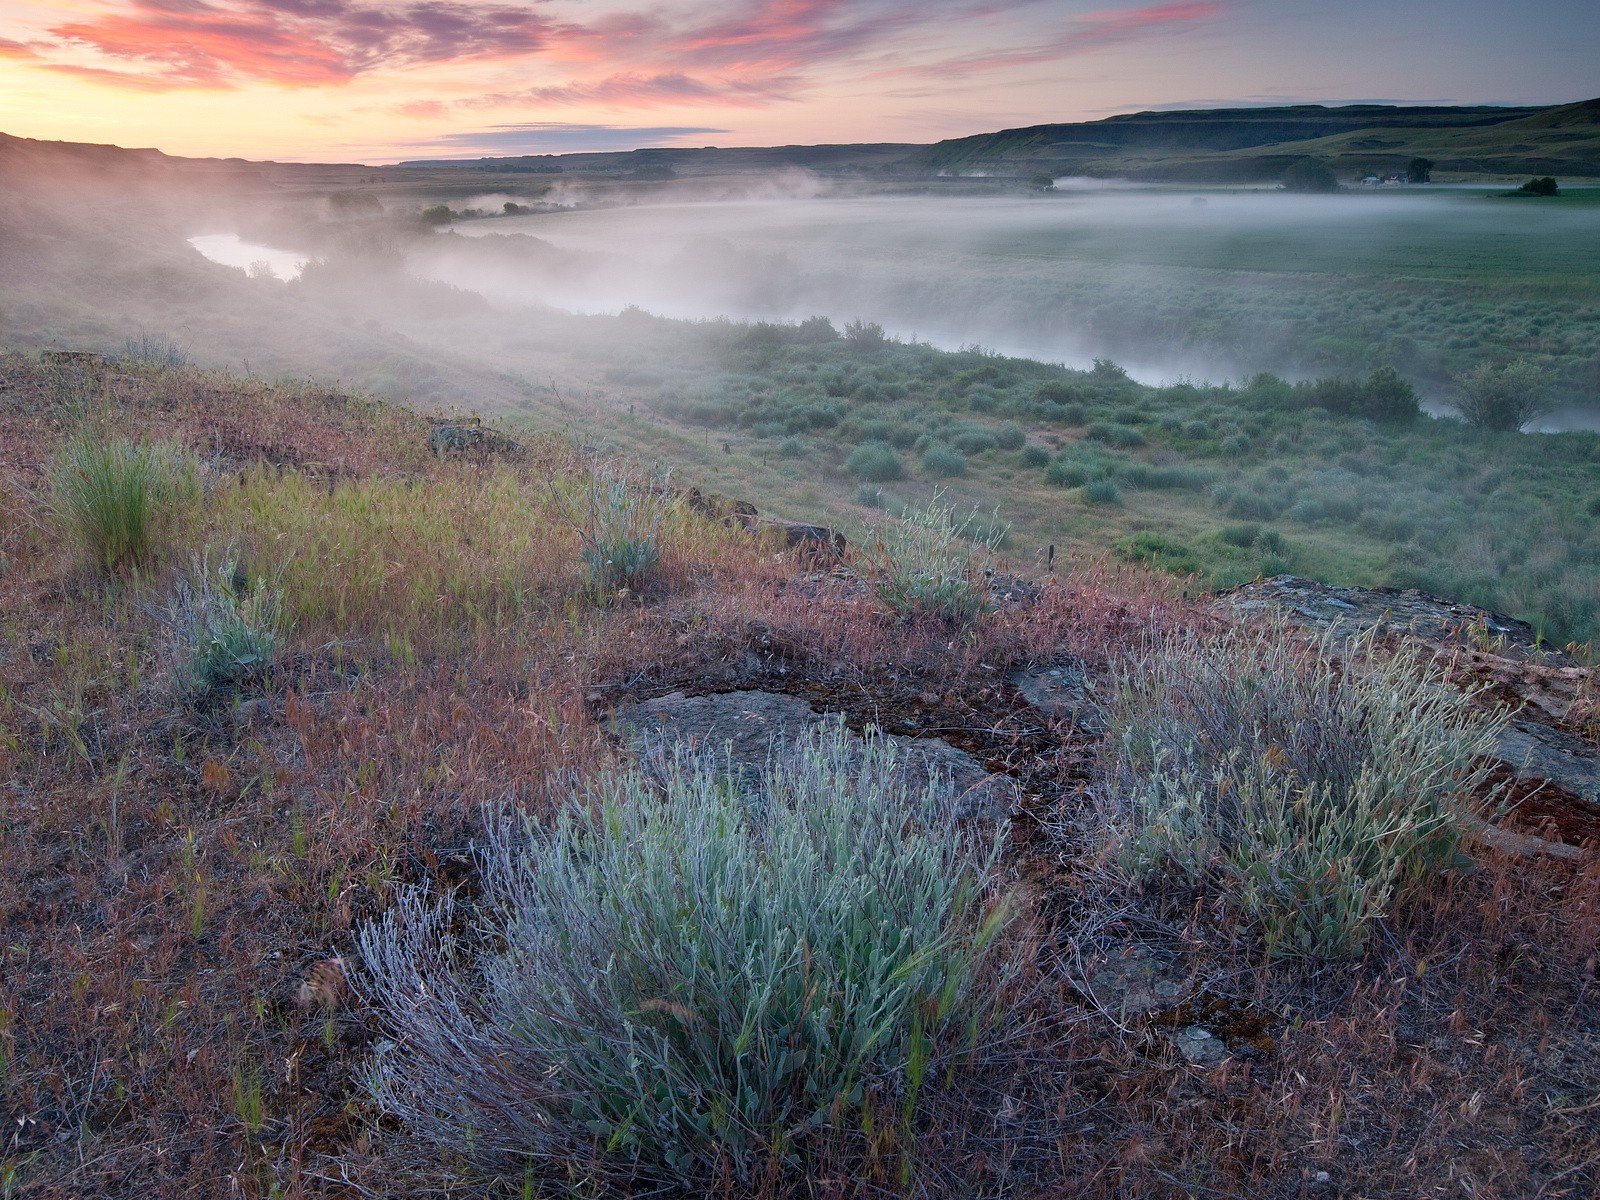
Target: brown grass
[176, 878]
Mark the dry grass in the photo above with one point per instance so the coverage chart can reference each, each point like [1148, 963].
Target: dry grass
[175, 878]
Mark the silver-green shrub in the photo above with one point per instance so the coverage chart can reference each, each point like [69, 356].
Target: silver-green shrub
[931, 561]
[229, 624]
[689, 974]
[1301, 786]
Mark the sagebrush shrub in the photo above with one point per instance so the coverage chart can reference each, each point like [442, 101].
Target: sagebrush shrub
[1303, 788]
[229, 623]
[114, 494]
[690, 974]
[930, 562]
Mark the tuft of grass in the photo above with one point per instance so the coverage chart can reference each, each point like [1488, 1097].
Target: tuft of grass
[229, 623]
[875, 461]
[115, 495]
[687, 976]
[930, 562]
[1303, 789]
[622, 531]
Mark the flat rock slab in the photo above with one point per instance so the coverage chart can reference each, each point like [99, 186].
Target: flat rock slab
[1061, 692]
[746, 729]
[1394, 611]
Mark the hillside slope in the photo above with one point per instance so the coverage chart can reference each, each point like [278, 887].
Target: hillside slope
[1234, 145]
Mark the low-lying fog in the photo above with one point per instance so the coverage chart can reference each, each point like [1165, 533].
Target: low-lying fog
[1171, 283]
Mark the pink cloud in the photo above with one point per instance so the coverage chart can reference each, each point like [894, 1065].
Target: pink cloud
[196, 43]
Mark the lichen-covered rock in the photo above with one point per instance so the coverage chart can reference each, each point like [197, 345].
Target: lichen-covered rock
[746, 729]
[469, 436]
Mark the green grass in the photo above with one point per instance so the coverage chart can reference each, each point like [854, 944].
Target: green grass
[1498, 519]
[116, 497]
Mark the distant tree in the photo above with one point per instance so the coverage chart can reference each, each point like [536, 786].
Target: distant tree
[816, 329]
[1543, 186]
[1505, 398]
[1420, 170]
[1382, 396]
[1043, 181]
[1310, 175]
[439, 214]
[865, 335]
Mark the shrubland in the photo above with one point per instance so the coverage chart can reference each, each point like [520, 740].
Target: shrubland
[325, 875]
[1347, 478]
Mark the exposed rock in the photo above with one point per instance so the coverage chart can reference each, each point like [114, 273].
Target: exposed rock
[467, 436]
[1393, 611]
[718, 508]
[1200, 1046]
[80, 359]
[1061, 692]
[746, 728]
[798, 535]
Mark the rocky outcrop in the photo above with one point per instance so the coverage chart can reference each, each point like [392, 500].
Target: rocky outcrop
[798, 535]
[746, 728]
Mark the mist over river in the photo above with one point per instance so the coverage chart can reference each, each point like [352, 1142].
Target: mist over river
[1172, 283]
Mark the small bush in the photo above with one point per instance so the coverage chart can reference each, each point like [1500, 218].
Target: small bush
[975, 441]
[1101, 491]
[876, 462]
[693, 974]
[793, 447]
[1113, 434]
[1300, 788]
[1067, 473]
[1243, 536]
[149, 351]
[115, 495]
[865, 335]
[621, 532]
[944, 461]
[1010, 436]
[929, 563]
[229, 624]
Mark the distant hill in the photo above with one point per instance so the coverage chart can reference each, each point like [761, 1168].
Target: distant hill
[1245, 144]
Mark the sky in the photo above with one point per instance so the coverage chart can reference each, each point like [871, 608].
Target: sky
[386, 80]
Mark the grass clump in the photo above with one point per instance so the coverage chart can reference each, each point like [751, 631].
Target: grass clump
[693, 974]
[930, 562]
[230, 624]
[1301, 789]
[115, 495]
[943, 460]
[622, 532]
[875, 462]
